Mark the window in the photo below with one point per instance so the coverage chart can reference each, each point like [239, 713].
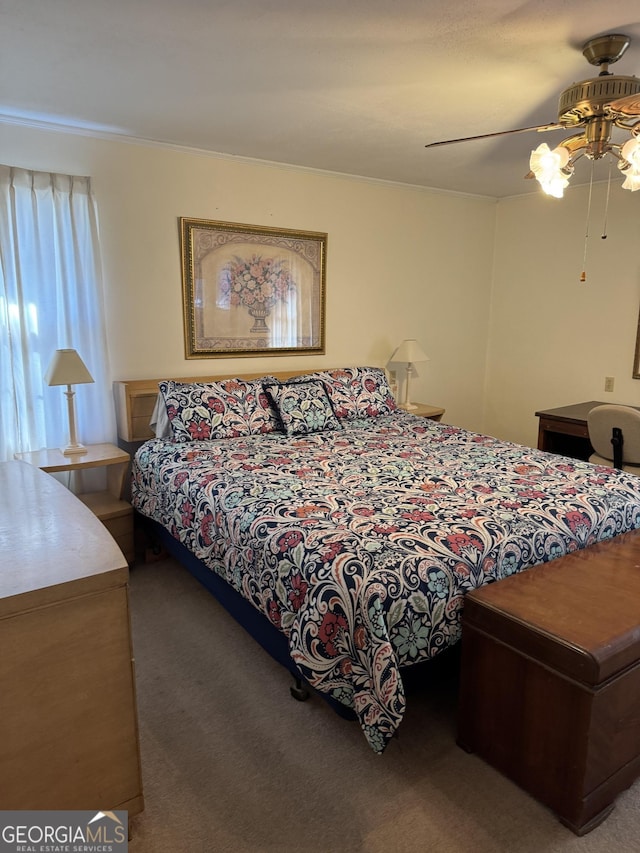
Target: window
[50, 298]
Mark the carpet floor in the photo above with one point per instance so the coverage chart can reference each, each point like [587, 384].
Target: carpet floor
[230, 762]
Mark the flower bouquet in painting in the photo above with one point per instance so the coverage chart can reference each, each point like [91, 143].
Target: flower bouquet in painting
[256, 283]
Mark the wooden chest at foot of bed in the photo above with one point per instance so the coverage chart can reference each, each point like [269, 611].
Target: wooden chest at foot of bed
[550, 679]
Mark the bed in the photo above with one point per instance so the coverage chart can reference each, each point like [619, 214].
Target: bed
[345, 528]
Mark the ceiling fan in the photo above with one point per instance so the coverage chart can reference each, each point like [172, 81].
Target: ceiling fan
[596, 106]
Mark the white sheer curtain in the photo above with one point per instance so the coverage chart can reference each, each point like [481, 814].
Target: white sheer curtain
[50, 298]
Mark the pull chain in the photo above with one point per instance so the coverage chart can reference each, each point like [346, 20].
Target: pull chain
[606, 206]
[583, 274]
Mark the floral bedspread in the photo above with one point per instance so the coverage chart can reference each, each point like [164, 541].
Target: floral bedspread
[360, 543]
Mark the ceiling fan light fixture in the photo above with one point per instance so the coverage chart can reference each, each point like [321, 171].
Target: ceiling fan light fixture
[552, 169]
[555, 185]
[631, 181]
[631, 152]
[629, 164]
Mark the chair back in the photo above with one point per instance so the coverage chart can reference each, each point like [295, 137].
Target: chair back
[614, 432]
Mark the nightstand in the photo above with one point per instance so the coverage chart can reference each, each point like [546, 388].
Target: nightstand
[115, 513]
[422, 410]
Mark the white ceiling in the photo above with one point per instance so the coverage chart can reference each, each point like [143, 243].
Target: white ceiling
[351, 86]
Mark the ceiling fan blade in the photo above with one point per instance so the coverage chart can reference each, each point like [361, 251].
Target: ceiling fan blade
[538, 127]
[627, 106]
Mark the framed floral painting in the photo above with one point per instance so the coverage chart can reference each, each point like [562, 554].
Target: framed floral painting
[249, 290]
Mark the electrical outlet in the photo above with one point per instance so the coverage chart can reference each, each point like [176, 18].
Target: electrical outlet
[608, 383]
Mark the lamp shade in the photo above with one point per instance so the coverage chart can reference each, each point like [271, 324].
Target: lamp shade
[409, 352]
[67, 368]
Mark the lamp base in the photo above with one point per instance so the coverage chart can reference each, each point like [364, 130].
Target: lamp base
[408, 407]
[73, 450]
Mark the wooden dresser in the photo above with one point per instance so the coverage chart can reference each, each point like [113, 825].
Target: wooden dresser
[109, 505]
[68, 719]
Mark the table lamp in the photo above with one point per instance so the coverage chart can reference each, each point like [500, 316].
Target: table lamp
[67, 368]
[408, 353]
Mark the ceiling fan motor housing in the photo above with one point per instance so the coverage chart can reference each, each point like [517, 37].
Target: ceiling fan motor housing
[587, 99]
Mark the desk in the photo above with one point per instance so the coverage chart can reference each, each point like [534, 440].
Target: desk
[565, 431]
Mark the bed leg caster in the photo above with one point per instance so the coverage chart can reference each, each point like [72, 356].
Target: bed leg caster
[299, 691]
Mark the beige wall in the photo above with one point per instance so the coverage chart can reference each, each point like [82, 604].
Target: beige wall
[552, 338]
[508, 331]
[401, 262]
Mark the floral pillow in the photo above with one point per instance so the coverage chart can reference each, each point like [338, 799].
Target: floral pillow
[303, 407]
[210, 410]
[360, 392]
[265, 418]
[357, 392]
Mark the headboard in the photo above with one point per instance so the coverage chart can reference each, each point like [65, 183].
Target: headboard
[135, 399]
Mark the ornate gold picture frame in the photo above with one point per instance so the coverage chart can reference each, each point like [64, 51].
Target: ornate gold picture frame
[252, 291]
